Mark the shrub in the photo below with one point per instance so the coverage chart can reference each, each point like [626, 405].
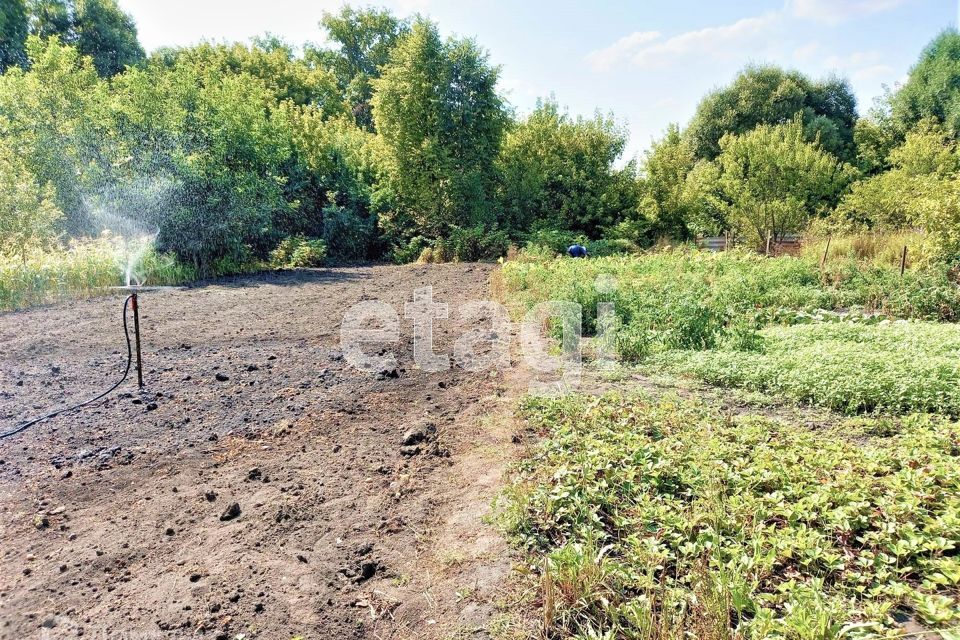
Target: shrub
[298, 252]
[477, 243]
[346, 234]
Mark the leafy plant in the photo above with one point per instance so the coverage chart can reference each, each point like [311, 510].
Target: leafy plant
[298, 252]
[666, 519]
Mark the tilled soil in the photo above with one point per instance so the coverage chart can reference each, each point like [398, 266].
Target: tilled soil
[259, 485]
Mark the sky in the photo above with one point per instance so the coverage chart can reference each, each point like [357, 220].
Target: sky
[648, 62]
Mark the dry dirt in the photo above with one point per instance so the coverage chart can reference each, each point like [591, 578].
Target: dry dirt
[111, 517]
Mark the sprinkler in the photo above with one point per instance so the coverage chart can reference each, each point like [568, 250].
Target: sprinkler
[135, 290]
[135, 306]
[132, 303]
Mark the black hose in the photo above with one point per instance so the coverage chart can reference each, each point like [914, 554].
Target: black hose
[126, 372]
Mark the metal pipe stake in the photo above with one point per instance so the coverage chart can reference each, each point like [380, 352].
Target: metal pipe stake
[136, 333]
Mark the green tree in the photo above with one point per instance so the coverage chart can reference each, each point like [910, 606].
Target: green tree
[106, 34]
[288, 77]
[441, 123]
[558, 172]
[54, 117]
[770, 95]
[28, 217]
[664, 173]
[775, 181]
[14, 27]
[921, 168]
[703, 202]
[52, 18]
[364, 39]
[933, 87]
[875, 135]
[98, 28]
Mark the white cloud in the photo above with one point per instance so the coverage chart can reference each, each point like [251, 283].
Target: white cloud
[621, 50]
[860, 66]
[807, 51]
[725, 41]
[837, 11]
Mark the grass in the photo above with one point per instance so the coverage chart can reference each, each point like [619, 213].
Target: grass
[773, 325]
[668, 520]
[86, 268]
[894, 367]
[81, 269]
[683, 299]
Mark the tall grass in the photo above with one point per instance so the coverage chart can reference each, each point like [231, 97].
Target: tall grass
[881, 248]
[81, 269]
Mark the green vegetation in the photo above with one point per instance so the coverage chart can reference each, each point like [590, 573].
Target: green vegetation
[897, 367]
[662, 520]
[82, 269]
[393, 142]
[769, 95]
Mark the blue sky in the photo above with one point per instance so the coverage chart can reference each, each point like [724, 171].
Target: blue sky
[649, 62]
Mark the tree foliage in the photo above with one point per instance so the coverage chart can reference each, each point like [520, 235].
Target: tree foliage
[28, 215]
[559, 172]
[394, 142]
[932, 89]
[14, 27]
[441, 122]
[664, 171]
[364, 39]
[770, 95]
[97, 28]
[775, 181]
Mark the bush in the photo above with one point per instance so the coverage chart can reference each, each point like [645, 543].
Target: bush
[412, 251]
[472, 244]
[299, 252]
[346, 234]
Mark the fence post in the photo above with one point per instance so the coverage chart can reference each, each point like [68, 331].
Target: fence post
[903, 260]
[826, 250]
[769, 235]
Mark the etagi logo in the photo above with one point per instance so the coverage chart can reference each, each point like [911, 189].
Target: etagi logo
[370, 327]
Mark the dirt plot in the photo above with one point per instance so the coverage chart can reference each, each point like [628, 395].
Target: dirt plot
[260, 485]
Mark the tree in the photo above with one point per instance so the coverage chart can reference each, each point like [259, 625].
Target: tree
[28, 217]
[702, 200]
[52, 18]
[441, 123]
[365, 39]
[775, 181]
[98, 28]
[106, 34]
[921, 169]
[664, 174]
[53, 111]
[288, 77]
[559, 173]
[14, 27]
[932, 89]
[770, 95]
[875, 135]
